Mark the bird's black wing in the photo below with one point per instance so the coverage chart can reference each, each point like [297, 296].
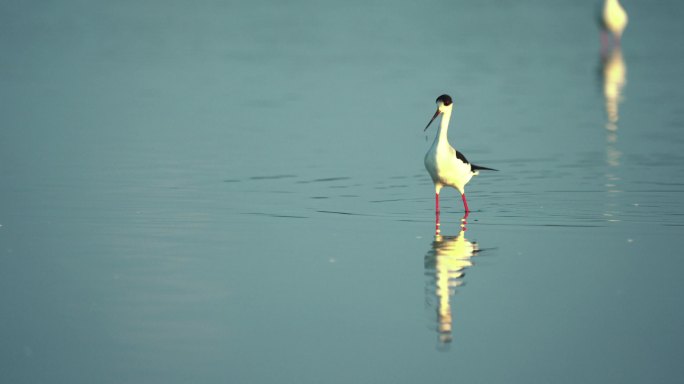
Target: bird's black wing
[473, 167]
[460, 156]
[599, 15]
[479, 168]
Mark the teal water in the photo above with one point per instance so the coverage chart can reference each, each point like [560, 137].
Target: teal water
[216, 192]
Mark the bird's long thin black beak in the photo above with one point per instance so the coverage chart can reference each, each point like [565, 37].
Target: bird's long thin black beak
[431, 120]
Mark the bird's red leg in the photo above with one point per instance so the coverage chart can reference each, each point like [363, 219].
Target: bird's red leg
[437, 214]
[465, 204]
[605, 42]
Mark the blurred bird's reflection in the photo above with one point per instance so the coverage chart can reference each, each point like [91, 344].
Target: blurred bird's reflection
[614, 76]
[445, 265]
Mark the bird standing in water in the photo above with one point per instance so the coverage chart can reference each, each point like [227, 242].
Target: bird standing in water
[613, 21]
[447, 166]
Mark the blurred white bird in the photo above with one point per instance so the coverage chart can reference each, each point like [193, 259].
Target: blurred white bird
[613, 21]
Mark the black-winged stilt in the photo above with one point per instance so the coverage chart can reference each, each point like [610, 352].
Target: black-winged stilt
[613, 21]
[447, 166]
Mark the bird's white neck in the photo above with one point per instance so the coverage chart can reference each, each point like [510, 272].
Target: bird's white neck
[611, 5]
[441, 137]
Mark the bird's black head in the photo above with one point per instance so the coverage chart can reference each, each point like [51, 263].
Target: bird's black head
[444, 99]
[443, 104]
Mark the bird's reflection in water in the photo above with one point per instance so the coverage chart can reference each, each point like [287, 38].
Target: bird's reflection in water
[445, 265]
[614, 78]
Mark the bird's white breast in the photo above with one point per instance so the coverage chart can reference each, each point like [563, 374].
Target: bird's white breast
[615, 17]
[445, 168]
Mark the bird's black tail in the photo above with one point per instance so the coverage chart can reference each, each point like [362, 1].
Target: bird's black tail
[479, 167]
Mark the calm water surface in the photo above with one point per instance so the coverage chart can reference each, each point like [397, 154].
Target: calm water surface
[235, 193]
